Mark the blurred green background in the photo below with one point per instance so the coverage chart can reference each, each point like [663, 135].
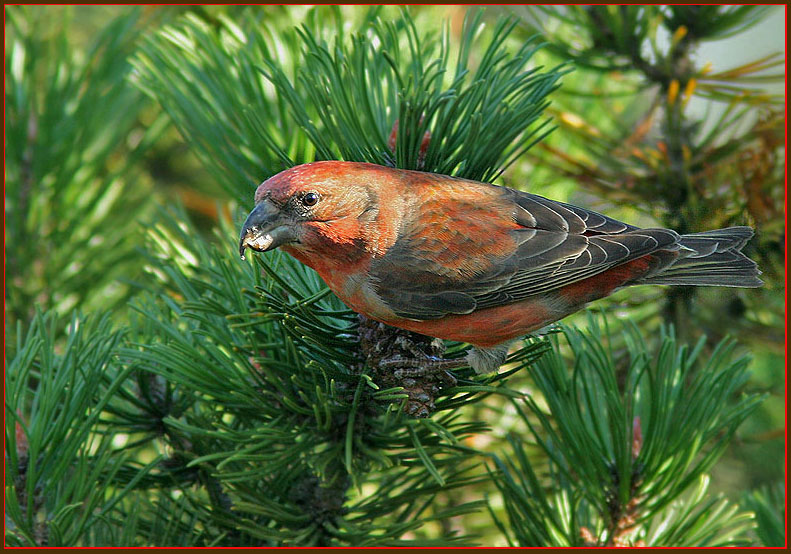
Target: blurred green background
[590, 106]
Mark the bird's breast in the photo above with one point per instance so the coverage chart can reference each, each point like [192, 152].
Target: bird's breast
[351, 282]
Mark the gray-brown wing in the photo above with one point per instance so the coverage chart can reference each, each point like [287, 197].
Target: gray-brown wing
[554, 245]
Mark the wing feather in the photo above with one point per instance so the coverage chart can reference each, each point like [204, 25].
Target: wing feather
[532, 245]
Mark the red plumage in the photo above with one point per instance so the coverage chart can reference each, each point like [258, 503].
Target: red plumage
[469, 261]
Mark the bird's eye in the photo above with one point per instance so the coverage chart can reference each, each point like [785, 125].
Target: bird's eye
[310, 199]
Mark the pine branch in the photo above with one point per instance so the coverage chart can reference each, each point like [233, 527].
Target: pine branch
[346, 98]
[393, 70]
[241, 404]
[626, 438]
[60, 460]
[769, 506]
[638, 142]
[73, 191]
[276, 411]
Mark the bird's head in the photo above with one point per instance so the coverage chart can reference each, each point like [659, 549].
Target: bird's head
[318, 208]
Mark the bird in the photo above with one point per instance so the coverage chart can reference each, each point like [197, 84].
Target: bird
[468, 261]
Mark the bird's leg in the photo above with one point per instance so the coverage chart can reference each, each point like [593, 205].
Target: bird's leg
[422, 364]
[487, 360]
[428, 366]
[399, 358]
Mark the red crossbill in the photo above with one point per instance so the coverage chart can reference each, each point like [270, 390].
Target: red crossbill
[468, 261]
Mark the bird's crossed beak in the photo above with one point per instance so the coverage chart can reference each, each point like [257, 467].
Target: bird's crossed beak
[265, 229]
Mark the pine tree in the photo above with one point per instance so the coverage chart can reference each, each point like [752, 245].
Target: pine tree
[240, 403]
[670, 132]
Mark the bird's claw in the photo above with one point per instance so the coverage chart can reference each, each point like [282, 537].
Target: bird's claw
[429, 366]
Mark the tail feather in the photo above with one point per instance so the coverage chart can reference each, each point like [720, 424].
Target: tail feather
[711, 258]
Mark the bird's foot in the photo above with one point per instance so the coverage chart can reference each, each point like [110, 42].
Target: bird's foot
[413, 362]
[428, 366]
[417, 367]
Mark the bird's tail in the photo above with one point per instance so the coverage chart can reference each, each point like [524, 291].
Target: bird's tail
[711, 258]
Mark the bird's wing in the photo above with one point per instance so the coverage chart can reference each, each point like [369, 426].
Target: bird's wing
[488, 255]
